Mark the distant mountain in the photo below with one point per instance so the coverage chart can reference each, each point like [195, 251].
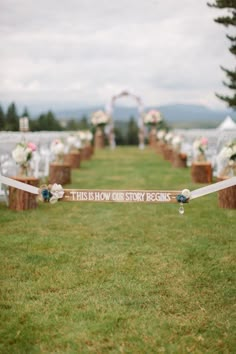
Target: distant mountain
[172, 113]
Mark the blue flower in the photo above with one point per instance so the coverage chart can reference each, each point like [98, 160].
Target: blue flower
[181, 198]
[46, 194]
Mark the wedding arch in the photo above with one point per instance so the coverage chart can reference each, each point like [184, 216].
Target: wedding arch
[110, 108]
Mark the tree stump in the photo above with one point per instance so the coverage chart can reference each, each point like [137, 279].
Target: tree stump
[73, 159]
[21, 200]
[59, 173]
[86, 153]
[201, 172]
[99, 140]
[167, 153]
[159, 147]
[153, 137]
[179, 160]
[227, 197]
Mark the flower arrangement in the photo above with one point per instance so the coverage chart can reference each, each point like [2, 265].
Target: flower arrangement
[152, 118]
[73, 143]
[227, 159]
[100, 118]
[168, 137]
[51, 193]
[85, 137]
[22, 154]
[200, 146]
[177, 143]
[161, 135]
[58, 149]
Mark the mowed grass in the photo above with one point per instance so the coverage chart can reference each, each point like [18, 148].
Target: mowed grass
[119, 278]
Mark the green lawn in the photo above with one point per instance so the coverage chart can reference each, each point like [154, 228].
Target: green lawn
[119, 278]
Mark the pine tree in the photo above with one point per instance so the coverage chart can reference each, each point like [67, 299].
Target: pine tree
[132, 134]
[2, 119]
[12, 119]
[25, 113]
[228, 20]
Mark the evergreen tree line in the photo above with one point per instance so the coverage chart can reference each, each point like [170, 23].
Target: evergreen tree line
[9, 121]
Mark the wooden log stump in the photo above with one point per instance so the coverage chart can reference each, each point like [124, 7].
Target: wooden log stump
[73, 159]
[86, 153]
[153, 138]
[227, 197]
[201, 172]
[167, 153]
[159, 147]
[21, 200]
[179, 160]
[99, 139]
[59, 173]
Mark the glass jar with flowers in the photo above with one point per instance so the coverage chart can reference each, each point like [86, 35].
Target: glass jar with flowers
[200, 146]
[58, 150]
[22, 154]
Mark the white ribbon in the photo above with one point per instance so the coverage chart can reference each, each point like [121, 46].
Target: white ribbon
[19, 185]
[200, 192]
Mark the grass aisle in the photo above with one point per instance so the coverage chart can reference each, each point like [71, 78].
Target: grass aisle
[119, 278]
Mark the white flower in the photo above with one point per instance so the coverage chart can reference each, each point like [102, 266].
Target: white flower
[57, 193]
[169, 137]
[89, 135]
[161, 134]
[20, 154]
[99, 117]
[177, 140]
[57, 147]
[152, 117]
[71, 140]
[186, 193]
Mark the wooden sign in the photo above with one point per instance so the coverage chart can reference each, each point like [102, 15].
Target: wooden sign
[120, 196]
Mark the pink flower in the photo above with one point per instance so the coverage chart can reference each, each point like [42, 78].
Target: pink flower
[32, 146]
[204, 141]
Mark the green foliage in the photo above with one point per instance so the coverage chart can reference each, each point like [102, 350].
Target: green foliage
[132, 133]
[46, 122]
[12, 119]
[2, 119]
[119, 278]
[25, 113]
[119, 137]
[229, 20]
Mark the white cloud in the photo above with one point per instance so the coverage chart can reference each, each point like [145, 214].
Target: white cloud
[84, 51]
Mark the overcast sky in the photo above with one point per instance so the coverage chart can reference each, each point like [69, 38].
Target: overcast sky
[73, 53]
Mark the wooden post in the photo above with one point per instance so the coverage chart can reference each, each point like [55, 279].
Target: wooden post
[86, 153]
[227, 197]
[201, 172]
[99, 141]
[59, 173]
[73, 159]
[179, 160]
[167, 153]
[153, 137]
[21, 200]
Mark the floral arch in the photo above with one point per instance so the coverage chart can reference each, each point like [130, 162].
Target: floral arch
[110, 108]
